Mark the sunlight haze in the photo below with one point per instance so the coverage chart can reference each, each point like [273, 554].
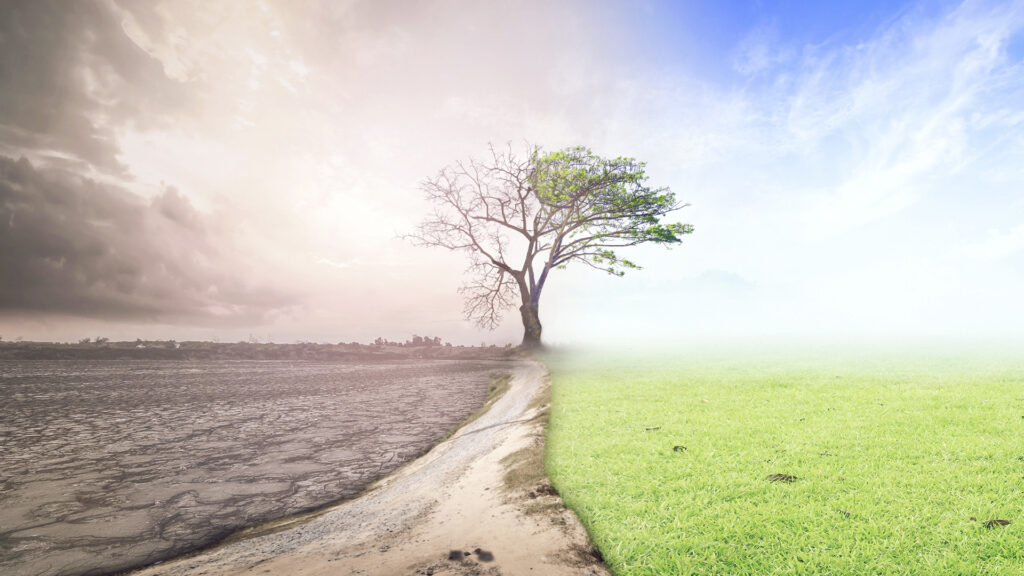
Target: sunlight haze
[228, 170]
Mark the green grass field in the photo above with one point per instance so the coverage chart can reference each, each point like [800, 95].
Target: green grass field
[899, 459]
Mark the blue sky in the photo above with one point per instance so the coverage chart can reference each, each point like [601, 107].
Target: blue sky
[704, 37]
[852, 168]
[861, 173]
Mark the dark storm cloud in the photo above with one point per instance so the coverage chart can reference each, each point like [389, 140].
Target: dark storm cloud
[70, 77]
[71, 80]
[70, 245]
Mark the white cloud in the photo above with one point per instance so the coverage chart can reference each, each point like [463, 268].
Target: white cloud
[896, 114]
[998, 246]
[841, 182]
[761, 51]
[837, 179]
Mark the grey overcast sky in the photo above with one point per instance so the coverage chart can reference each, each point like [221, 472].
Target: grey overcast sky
[224, 169]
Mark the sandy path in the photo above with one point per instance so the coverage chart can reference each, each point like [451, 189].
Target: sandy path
[426, 517]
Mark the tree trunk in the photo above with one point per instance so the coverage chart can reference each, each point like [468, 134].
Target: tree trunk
[531, 325]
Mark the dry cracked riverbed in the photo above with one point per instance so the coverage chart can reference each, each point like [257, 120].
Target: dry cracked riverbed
[105, 465]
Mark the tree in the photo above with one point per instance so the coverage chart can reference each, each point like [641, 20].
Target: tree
[520, 217]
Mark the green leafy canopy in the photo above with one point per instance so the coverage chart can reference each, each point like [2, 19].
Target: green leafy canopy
[601, 204]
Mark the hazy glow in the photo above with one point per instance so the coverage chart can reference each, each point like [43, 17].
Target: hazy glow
[858, 173]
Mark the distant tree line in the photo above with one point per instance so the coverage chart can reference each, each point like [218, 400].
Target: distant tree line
[381, 349]
[416, 340]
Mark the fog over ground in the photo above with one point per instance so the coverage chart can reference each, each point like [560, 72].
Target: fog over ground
[198, 170]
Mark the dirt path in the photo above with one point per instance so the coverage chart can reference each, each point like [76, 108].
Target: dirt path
[449, 512]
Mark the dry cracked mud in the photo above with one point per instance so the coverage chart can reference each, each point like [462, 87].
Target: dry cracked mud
[416, 521]
[106, 465]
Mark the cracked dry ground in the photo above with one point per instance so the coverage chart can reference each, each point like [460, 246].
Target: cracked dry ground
[106, 465]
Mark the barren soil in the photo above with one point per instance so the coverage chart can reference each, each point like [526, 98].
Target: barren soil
[106, 465]
[448, 512]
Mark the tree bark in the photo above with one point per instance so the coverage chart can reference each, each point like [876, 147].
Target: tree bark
[531, 325]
